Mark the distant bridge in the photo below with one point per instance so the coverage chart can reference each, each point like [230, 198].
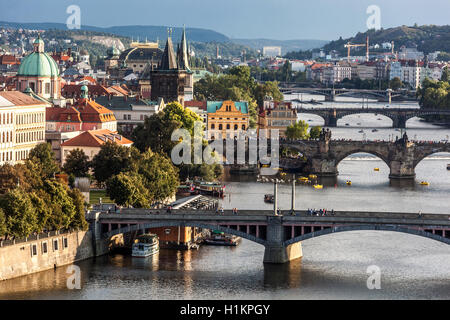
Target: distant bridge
[330, 93]
[399, 116]
[281, 235]
[401, 156]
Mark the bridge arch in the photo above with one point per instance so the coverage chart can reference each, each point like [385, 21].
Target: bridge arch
[304, 116]
[445, 150]
[340, 116]
[158, 224]
[344, 155]
[336, 229]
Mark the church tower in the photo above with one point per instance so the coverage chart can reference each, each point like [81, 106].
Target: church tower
[173, 79]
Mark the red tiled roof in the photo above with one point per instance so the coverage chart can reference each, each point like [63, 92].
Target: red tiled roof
[96, 138]
[20, 99]
[91, 111]
[194, 103]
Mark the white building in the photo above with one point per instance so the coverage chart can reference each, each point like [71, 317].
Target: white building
[22, 125]
[272, 51]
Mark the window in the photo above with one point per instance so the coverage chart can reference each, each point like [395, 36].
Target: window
[243, 127]
[220, 126]
[213, 126]
[44, 247]
[235, 127]
[55, 245]
[124, 117]
[66, 243]
[33, 250]
[228, 126]
[47, 88]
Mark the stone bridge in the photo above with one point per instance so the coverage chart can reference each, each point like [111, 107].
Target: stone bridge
[401, 156]
[399, 116]
[281, 235]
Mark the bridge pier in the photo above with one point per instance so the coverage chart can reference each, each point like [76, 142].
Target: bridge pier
[275, 250]
[324, 167]
[401, 170]
[399, 122]
[330, 98]
[331, 121]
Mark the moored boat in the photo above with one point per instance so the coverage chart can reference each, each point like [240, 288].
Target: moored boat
[145, 245]
[318, 186]
[268, 198]
[219, 238]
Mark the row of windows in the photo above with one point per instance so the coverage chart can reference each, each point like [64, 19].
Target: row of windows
[6, 137]
[44, 246]
[6, 156]
[32, 136]
[228, 127]
[29, 118]
[212, 118]
[22, 155]
[6, 118]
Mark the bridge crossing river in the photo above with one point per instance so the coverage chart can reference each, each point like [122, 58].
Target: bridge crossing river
[281, 234]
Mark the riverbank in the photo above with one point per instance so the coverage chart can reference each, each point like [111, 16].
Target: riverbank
[43, 253]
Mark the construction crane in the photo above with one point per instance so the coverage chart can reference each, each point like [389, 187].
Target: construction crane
[349, 45]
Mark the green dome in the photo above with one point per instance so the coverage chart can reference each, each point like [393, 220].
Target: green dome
[38, 64]
[113, 51]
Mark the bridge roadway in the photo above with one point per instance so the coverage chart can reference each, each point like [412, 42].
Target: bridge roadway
[399, 116]
[280, 234]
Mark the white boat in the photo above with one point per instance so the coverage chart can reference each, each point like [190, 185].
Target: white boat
[145, 245]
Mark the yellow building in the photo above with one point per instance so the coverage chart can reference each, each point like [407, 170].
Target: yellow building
[22, 125]
[227, 119]
[277, 115]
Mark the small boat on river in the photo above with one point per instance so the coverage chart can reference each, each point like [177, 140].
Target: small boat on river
[268, 198]
[219, 238]
[145, 245]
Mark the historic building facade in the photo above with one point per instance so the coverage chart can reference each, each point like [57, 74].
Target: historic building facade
[227, 119]
[39, 72]
[276, 115]
[22, 125]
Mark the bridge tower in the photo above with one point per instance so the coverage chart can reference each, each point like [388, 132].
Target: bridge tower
[401, 164]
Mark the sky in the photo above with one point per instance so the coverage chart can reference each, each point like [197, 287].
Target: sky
[270, 19]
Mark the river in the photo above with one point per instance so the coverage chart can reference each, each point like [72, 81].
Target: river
[333, 266]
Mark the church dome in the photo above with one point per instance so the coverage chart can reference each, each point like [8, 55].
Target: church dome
[113, 52]
[38, 64]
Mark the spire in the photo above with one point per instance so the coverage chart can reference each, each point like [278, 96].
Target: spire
[183, 63]
[168, 60]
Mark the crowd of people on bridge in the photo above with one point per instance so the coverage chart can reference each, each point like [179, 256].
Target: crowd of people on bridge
[320, 212]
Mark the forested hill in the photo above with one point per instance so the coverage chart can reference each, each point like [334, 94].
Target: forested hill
[143, 32]
[428, 38]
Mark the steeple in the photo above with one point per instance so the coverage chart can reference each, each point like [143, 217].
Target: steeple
[183, 61]
[168, 59]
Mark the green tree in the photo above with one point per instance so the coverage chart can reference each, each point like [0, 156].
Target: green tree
[127, 189]
[3, 227]
[44, 155]
[77, 163]
[298, 131]
[159, 176]
[21, 218]
[314, 133]
[61, 205]
[395, 83]
[111, 160]
[78, 221]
